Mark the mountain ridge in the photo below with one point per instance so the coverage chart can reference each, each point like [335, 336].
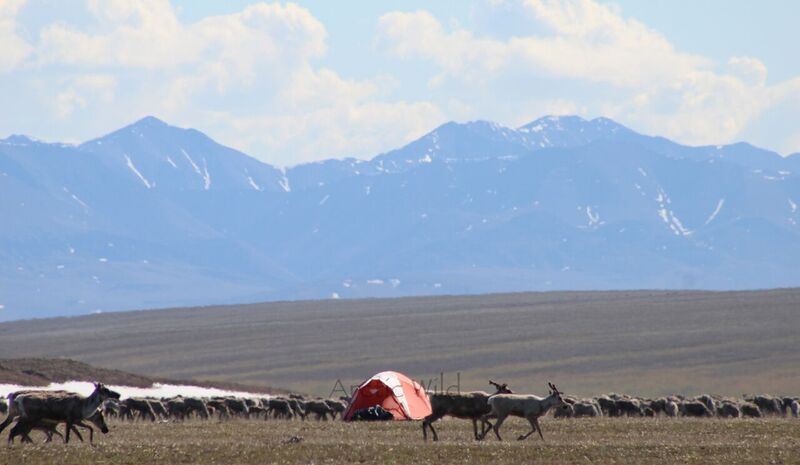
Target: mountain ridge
[152, 215]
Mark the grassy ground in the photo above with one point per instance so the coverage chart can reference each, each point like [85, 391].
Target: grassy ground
[629, 441]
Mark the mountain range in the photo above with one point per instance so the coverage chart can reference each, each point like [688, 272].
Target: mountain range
[154, 216]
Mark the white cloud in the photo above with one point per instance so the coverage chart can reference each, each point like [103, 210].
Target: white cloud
[13, 49]
[458, 53]
[593, 41]
[75, 93]
[354, 129]
[587, 41]
[247, 78]
[750, 70]
[254, 78]
[635, 74]
[142, 33]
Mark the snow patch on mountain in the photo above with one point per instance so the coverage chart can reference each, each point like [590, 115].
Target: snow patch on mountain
[716, 211]
[206, 176]
[144, 180]
[594, 217]
[194, 165]
[75, 198]
[253, 183]
[668, 216]
[284, 181]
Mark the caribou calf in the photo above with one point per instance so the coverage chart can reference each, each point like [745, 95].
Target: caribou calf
[69, 408]
[24, 426]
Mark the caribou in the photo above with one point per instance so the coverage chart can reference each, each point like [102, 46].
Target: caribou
[468, 406]
[59, 407]
[526, 406]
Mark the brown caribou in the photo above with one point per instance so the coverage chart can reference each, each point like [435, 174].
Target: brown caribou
[61, 407]
[467, 405]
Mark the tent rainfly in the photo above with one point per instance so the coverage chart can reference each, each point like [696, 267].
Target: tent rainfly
[403, 397]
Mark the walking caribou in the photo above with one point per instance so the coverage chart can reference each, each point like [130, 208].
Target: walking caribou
[526, 406]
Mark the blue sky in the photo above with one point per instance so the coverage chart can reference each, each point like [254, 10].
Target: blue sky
[290, 83]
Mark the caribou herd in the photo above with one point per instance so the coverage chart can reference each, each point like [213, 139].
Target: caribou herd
[181, 408]
[43, 411]
[482, 407]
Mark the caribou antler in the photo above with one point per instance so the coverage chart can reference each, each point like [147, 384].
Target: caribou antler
[501, 388]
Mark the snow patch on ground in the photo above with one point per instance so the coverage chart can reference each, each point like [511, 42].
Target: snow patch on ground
[169, 160]
[157, 390]
[792, 205]
[137, 173]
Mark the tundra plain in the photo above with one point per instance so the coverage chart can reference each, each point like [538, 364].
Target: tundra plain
[588, 343]
[606, 440]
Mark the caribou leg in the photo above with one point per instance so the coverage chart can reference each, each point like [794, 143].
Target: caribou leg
[486, 425]
[497, 425]
[84, 425]
[538, 428]
[533, 423]
[428, 423]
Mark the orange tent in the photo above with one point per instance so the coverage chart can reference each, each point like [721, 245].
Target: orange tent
[403, 397]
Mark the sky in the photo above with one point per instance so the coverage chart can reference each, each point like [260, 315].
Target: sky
[290, 83]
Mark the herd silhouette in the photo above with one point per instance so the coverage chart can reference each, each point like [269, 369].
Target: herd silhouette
[42, 410]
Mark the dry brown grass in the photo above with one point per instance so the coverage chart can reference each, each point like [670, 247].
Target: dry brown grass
[629, 441]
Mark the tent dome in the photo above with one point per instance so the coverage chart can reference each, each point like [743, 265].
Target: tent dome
[403, 397]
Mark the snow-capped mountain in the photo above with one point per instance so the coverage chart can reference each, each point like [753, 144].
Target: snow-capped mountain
[153, 215]
[157, 154]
